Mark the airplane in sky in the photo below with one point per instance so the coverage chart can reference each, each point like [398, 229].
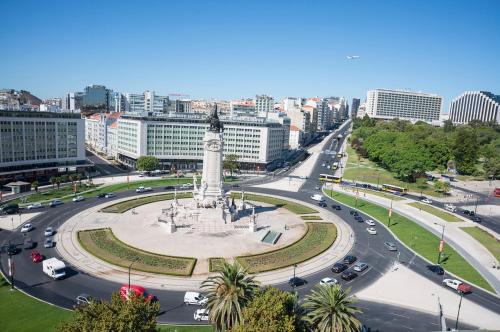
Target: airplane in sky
[352, 57]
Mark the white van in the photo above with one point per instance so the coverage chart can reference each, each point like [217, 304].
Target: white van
[317, 197]
[54, 268]
[201, 314]
[194, 298]
[450, 207]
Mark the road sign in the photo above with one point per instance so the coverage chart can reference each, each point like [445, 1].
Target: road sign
[441, 245]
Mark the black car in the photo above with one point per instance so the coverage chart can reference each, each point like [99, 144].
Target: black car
[352, 212]
[12, 250]
[468, 212]
[339, 267]
[169, 188]
[358, 218]
[436, 269]
[29, 244]
[296, 281]
[322, 204]
[349, 275]
[235, 185]
[336, 207]
[101, 195]
[349, 259]
[477, 219]
[9, 209]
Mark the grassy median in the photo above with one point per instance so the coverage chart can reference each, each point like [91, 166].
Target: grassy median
[135, 202]
[318, 238]
[486, 239]
[290, 206]
[437, 212]
[417, 238]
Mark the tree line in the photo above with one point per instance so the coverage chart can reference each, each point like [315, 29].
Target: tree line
[236, 302]
[409, 150]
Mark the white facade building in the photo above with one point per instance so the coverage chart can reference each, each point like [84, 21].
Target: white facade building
[147, 101]
[475, 105]
[245, 108]
[413, 106]
[264, 104]
[101, 131]
[296, 137]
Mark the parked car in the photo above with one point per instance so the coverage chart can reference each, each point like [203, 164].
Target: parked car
[78, 199]
[436, 269]
[371, 230]
[360, 266]
[34, 206]
[296, 281]
[201, 314]
[49, 243]
[339, 267]
[349, 259]
[126, 293]
[328, 281]
[322, 204]
[194, 298]
[49, 231]
[36, 257]
[349, 275]
[26, 228]
[110, 195]
[370, 222]
[457, 285]
[29, 244]
[426, 201]
[83, 299]
[390, 246]
[102, 195]
[55, 202]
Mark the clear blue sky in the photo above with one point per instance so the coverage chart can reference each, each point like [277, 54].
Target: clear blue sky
[231, 49]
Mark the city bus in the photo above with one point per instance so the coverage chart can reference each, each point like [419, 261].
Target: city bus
[394, 189]
[496, 192]
[330, 178]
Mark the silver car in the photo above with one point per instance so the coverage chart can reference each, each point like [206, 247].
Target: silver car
[49, 243]
[391, 246]
[360, 267]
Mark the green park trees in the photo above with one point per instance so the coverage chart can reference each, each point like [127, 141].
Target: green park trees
[231, 163]
[147, 163]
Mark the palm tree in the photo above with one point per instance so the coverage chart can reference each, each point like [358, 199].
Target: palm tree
[228, 293]
[35, 185]
[330, 309]
[53, 180]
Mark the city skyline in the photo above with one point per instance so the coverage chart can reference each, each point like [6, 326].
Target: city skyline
[229, 51]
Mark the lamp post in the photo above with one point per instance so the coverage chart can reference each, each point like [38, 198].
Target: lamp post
[441, 243]
[293, 280]
[390, 214]
[458, 312]
[129, 268]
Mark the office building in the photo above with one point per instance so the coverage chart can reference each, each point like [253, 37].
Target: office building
[475, 105]
[97, 98]
[412, 106]
[100, 133]
[245, 108]
[40, 144]
[177, 140]
[264, 104]
[73, 102]
[147, 101]
[355, 107]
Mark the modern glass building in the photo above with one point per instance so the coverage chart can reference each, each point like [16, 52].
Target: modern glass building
[475, 105]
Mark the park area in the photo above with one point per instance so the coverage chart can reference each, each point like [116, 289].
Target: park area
[486, 239]
[435, 211]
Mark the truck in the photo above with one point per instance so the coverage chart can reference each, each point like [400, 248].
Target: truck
[54, 268]
[457, 285]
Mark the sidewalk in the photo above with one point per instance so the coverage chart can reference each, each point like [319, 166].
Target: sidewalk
[473, 251]
[71, 251]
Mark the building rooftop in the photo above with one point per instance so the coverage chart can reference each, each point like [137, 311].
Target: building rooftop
[31, 114]
[419, 93]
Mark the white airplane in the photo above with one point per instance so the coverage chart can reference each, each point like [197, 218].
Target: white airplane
[352, 57]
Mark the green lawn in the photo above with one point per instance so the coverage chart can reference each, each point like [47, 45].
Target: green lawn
[290, 206]
[416, 237]
[133, 203]
[54, 193]
[313, 217]
[486, 239]
[437, 212]
[185, 328]
[380, 193]
[365, 170]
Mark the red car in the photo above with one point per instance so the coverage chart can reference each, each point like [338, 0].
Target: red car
[36, 257]
[126, 292]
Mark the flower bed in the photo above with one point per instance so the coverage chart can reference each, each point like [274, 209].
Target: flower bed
[214, 264]
[133, 203]
[319, 237]
[104, 245]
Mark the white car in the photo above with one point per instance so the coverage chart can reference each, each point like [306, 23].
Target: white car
[317, 197]
[323, 165]
[110, 195]
[143, 189]
[78, 199]
[26, 228]
[370, 222]
[49, 231]
[359, 267]
[426, 201]
[450, 207]
[35, 206]
[194, 298]
[328, 281]
[371, 230]
[201, 314]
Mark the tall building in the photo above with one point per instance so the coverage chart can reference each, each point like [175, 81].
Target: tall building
[240, 108]
[37, 144]
[147, 102]
[73, 101]
[413, 106]
[99, 133]
[264, 104]
[475, 105]
[97, 98]
[354, 107]
[177, 140]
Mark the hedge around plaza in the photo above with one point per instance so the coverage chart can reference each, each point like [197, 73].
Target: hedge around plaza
[135, 202]
[313, 217]
[318, 238]
[215, 263]
[290, 206]
[104, 245]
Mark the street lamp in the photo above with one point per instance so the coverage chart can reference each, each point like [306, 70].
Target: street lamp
[293, 280]
[458, 312]
[441, 243]
[129, 268]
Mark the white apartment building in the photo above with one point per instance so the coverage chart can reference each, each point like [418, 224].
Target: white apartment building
[242, 108]
[296, 137]
[475, 105]
[147, 101]
[34, 144]
[177, 140]
[413, 106]
[264, 104]
[100, 133]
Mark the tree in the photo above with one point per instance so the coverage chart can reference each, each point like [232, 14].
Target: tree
[465, 149]
[271, 310]
[147, 163]
[228, 293]
[79, 178]
[53, 181]
[230, 163]
[330, 309]
[445, 187]
[64, 178]
[135, 314]
[448, 126]
[35, 185]
[58, 181]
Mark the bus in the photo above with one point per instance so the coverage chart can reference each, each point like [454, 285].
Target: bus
[335, 165]
[394, 189]
[496, 192]
[330, 178]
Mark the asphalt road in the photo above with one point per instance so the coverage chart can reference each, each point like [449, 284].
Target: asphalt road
[102, 166]
[368, 248]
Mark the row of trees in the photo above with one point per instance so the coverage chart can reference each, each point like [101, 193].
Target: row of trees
[151, 163]
[237, 303]
[57, 180]
[409, 150]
